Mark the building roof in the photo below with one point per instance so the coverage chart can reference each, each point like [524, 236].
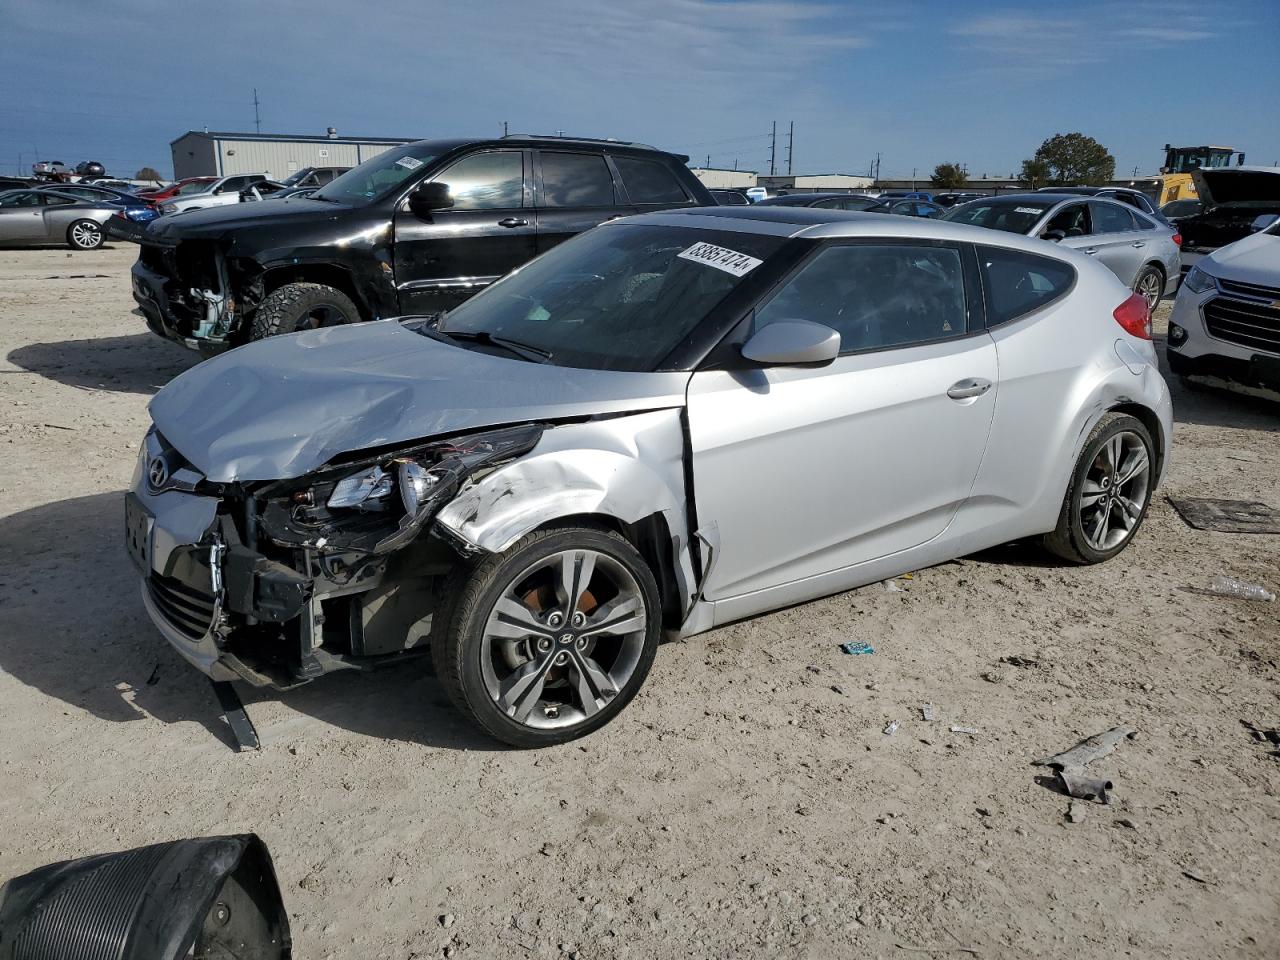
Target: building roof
[285, 137]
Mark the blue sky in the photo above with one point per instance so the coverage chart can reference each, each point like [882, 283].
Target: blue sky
[919, 82]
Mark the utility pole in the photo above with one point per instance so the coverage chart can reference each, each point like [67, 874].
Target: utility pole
[877, 173]
[773, 150]
[791, 142]
[913, 178]
[1135, 171]
[735, 163]
[504, 128]
[708, 163]
[257, 121]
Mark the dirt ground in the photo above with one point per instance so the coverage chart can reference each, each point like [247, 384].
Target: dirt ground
[747, 804]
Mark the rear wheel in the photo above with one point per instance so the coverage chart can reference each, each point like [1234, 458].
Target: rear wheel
[84, 235]
[302, 306]
[1149, 284]
[550, 639]
[1109, 492]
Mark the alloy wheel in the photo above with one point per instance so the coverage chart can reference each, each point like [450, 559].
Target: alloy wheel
[563, 639]
[1150, 288]
[86, 235]
[1113, 495]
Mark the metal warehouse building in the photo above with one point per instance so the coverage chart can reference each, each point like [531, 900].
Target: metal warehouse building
[205, 154]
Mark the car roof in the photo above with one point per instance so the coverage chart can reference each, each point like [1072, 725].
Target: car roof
[440, 147]
[792, 199]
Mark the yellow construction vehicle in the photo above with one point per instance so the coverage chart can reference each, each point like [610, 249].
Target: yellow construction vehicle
[1176, 182]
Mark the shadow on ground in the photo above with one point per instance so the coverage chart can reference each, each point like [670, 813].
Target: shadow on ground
[72, 626]
[139, 363]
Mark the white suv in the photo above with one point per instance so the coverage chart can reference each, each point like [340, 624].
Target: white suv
[222, 191]
[1226, 321]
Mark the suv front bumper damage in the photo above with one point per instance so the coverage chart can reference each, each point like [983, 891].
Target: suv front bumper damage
[196, 311]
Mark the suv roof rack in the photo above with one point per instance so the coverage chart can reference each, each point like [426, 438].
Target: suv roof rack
[552, 136]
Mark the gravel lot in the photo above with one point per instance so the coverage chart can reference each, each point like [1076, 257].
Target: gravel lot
[747, 804]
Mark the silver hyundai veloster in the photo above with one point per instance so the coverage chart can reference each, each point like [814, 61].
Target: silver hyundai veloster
[668, 423]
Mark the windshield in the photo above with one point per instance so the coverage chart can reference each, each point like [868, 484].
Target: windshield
[375, 177]
[198, 187]
[616, 298]
[1012, 216]
[297, 175]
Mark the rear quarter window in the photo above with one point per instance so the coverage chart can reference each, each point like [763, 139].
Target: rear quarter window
[648, 181]
[1017, 283]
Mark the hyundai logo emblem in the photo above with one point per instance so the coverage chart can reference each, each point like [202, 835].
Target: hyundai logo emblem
[157, 473]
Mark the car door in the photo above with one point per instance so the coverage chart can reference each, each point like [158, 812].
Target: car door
[802, 471]
[575, 192]
[21, 217]
[59, 213]
[488, 232]
[1117, 241]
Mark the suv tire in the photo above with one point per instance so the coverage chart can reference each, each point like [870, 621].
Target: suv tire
[515, 672]
[302, 306]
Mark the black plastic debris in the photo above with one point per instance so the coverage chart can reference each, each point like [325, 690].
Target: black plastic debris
[1228, 516]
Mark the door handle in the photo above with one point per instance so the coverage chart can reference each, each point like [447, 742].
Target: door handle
[1090, 250]
[1139, 243]
[513, 222]
[968, 388]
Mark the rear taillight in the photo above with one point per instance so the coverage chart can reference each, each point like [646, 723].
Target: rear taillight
[1177, 239]
[1135, 316]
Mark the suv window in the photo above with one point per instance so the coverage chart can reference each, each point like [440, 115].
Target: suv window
[1111, 218]
[648, 181]
[576, 180]
[876, 295]
[486, 181]
[1019, 282]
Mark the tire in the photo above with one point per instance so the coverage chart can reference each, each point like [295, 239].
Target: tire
[517, 676]
[1094, 491]
[302, 306]
[1150, 284]
[85, 235]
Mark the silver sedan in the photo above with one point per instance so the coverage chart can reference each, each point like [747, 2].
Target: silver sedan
[30, 217]
[1138, 249]
[663, 425]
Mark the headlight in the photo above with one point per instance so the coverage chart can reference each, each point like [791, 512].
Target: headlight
[1198, 281]
[366, 490]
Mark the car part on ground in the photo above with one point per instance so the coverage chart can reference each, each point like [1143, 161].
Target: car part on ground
[1141, 251]
[413, 231]
[1225, 324]
[39, 216]
[538, 484]
[208, 897]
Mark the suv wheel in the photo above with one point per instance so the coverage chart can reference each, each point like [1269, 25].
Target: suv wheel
[84, 235]
[550, 639]
[302, 306]
[1109, 492]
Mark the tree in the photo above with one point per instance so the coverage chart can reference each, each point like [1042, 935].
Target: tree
[1073, 158]
[949, 176]
[148, 173]
[1035, 174]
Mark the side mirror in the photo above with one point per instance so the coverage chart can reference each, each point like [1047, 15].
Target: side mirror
[1264, 222]
[429, 197]
[792, 343]
[1054, 235]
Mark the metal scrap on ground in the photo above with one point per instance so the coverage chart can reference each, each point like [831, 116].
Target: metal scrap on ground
[1070, 764]
[1228, 516]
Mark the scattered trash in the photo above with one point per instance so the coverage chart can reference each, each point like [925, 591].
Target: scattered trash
[856, 648]
[1231, 587]
[891, 728]
[446, 920]
[813, 669]
[1075, 812]
[1228, 516]
[905, 576]
[943, 948]
[155, 676]
[1126, 823]
[992, 676]
[926, 711]
[1191, 876]
[890, 586]
[1085, 788]
[59, 426]
[972, 731]
[836, 688]
[1017, 661]
[1263, 736]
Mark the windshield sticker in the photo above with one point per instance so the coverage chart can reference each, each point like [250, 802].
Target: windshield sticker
[1027, 210]
[722, 258]
[409, 163]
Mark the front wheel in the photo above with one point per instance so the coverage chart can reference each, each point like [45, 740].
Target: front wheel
[550, 639]
[1109, 492]
[302, 306]
[84, 235]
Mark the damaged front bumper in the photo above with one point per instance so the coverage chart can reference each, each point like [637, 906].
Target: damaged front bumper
[198, 313]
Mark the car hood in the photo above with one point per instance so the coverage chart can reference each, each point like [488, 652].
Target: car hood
[282, 407]
[1255, 259]
[214, 222]
[1236, 184]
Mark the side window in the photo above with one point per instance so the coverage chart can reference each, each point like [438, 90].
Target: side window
[1019, 282]
[835, 203]
[53, 200]
[576, 180]
[20, 200]
[1072, 221]
[876, 295]
[486, 181]
[1111, 218]
[648, 181]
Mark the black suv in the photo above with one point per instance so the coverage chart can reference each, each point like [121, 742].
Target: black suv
[415, 230]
